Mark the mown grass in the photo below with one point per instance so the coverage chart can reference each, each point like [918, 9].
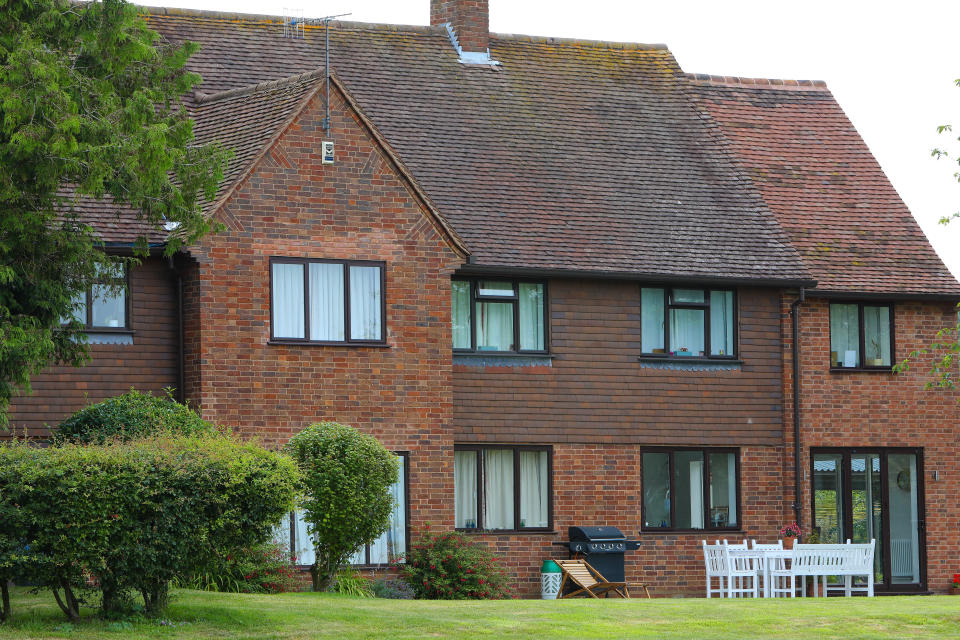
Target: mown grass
[195, 614]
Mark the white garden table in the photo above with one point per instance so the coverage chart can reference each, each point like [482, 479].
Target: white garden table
[765, 556]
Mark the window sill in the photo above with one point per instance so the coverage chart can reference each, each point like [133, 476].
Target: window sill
[502, 354]
[690, 364]
[306, 343]
[861, 369]
[706, 533]
[502, 359]
[110, 330]
[509, 532]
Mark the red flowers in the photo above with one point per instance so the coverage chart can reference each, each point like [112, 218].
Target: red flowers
[956, 580]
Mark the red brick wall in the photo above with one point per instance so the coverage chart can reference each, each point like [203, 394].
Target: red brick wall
[294, 206]
[868, 409]
[600, 485]
[149, 364]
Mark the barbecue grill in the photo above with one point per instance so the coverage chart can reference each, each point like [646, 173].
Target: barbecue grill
[602, 548]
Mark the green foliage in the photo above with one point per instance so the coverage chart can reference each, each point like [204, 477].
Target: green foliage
[350, 582]
[132, 415]
[347, 477]
[135, 515]
[264, 568]
[449, 566]
[391, 589]
[90, 106]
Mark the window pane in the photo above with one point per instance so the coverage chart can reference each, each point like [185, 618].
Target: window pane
[109, 306]
[303, 543]
[495, 288]
[392, 542]
[287, 300]
[656, 490]
[460, 313]
[365, 321]
[498, 488]
[721, 323]
[828, 496]
[904, 518]
[686, 332]
[494, 326]
[534, 499]
[723, 490]
[688, 489]
[78, 310]
[465, 489]
[844, 335]
[651, 319]
[326, 301]
[531, 316]
[876, 334]
[688, 295]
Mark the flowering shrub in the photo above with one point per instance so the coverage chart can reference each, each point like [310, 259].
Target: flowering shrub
[956, 580]
[792, 530]
[448, 566]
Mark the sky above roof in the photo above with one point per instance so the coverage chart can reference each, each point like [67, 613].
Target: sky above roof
[891, 67]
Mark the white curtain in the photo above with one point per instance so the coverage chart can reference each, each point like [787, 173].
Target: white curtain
[392, 542]
[696, 494]
[686, 332]
[876, 333]
[365, 321]
[533, 489]
[303, 543]
[281, 532]
[326, 301]
[287, 300]
[465, 488]
[844, 335]
[109, 306]
[460, 312]
[498, 489]
[721, 323]
[494, 326]
[651, 320]
[531, 316]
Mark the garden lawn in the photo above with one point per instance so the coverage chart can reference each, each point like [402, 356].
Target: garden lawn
[194, 614]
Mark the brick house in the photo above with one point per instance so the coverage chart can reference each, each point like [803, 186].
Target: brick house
[566, 281]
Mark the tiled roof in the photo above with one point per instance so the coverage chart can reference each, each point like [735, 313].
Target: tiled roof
[575, 156]
[114, 224]
[826, 189]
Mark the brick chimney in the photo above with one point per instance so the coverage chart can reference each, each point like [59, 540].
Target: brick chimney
[470, 20]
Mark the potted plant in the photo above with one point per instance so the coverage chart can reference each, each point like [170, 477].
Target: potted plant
[790, 533]
[955, 588]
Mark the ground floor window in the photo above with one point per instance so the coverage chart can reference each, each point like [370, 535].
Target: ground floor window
[502, 487]
[293, 531]
[690, 489]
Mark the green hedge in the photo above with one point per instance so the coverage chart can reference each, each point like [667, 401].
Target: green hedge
[129, 416]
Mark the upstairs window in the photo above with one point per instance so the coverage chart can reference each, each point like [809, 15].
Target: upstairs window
[499, 315]
[327, 301]
[861, 336]
[687, 322]
[103, 307]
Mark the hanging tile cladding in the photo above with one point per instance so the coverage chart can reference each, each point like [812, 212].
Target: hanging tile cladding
[292, 205]
[572, 155]
[817, 176]
[596, 391]
[149, 364]
[868, 410]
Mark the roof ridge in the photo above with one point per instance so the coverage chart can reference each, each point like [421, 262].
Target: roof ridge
[600, 44]
[267, 85]
[231, 16]
[765, 83]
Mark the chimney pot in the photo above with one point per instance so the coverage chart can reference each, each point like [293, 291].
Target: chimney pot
[470, 20]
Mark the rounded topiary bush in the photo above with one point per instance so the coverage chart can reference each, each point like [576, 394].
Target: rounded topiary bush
[449, 566]
[130, 416]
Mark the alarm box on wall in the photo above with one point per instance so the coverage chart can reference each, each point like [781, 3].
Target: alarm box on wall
[326, 150]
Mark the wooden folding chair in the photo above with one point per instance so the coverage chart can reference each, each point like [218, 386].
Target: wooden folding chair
[589, 581]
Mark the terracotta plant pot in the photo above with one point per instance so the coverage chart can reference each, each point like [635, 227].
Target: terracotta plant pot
[788, 542]
[955, 591]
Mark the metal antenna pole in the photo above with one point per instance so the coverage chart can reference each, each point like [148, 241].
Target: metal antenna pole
[326, 65]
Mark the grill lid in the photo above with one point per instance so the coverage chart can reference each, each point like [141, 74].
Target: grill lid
[595, 534]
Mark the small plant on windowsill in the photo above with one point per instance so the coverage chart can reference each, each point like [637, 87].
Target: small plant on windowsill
[790, 533]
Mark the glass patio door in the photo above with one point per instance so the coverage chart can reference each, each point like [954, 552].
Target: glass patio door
[874, 494]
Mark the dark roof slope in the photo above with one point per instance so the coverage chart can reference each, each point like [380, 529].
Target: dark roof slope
[819, 178]
[570, 155]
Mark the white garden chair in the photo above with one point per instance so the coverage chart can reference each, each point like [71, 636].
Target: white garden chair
[776, 564]
[715, 566]
[741, 572]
